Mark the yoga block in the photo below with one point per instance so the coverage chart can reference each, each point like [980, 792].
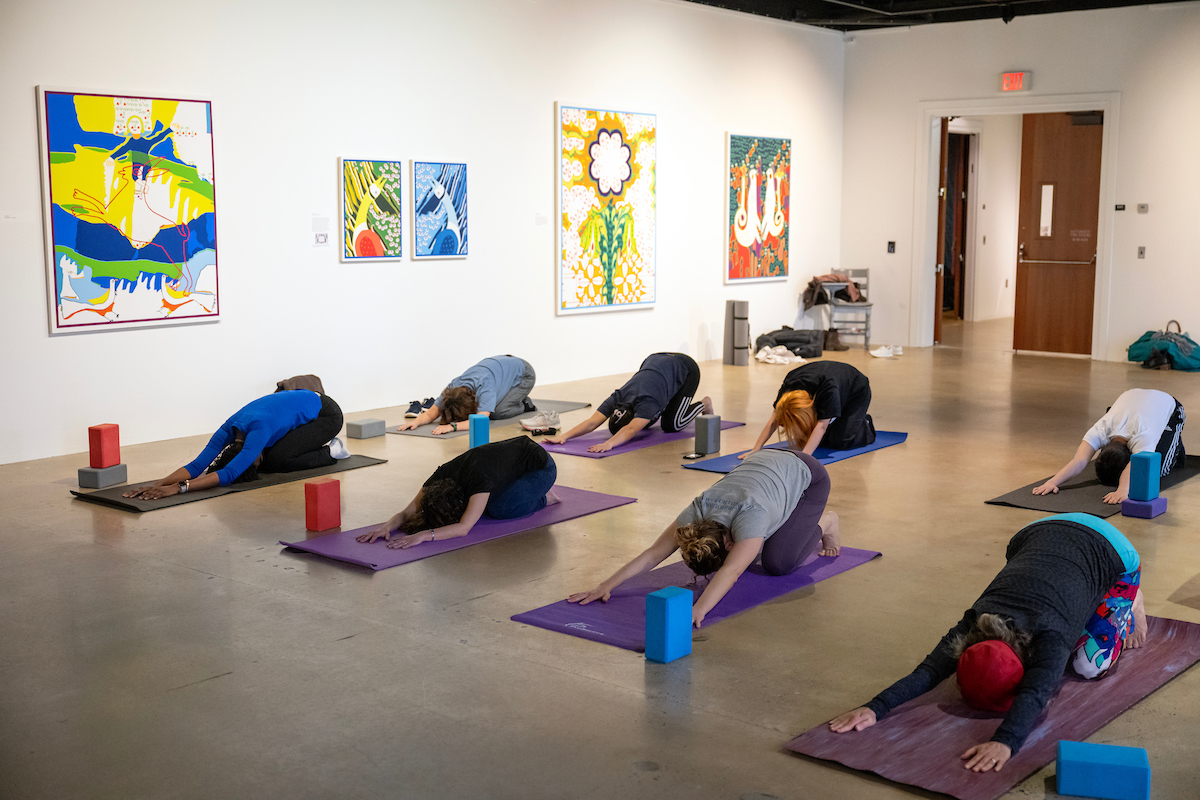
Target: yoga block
[1103, 770]
[365, 428]
[1145, 509]
[668, 624]
[104, 446]
[481, 428]
[91, 478]
[322, 505]
[1144, 469]
[708, 434]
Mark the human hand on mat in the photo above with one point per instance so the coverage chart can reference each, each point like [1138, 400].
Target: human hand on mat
[405, 542]
[442, 430]
[603, 447]
[384, 530]
[583, 598]
[742, 456]
[986, 757]
[856, 720]
[1116, 497]
[1046, 488]
[153, 492]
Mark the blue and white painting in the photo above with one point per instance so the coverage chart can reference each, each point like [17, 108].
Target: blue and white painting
[439, 210]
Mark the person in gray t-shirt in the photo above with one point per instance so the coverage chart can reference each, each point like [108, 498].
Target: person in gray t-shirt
[772, 503]
[497, 387]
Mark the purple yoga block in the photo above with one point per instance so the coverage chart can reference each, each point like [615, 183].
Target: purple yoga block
[668, 624]
[1145, 509]
[1144, 471]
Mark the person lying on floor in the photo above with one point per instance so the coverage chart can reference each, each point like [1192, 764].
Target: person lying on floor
[660, 391]
[497, 387]
[283, 432]
[1069, 594]
[822, 403]
[505, 480]
[773, 503]
[1141, 421]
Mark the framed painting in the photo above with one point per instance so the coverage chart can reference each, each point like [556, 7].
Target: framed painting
[372, 213]
[605, 209]
[129, 210]
[439, 210]
[758, 182]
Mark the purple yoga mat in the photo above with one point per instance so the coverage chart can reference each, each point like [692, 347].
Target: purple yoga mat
[621, 621]
[920, 742]
[647, 437]
[341, 546]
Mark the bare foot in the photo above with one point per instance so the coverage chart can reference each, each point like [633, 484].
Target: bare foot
[1138, 637]
[831, 542]
[552, 498]
[707, 405]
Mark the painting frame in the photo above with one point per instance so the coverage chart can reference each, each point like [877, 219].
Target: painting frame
[735, 248]
[647, 264]
[455, 229]
[360, 236]
[135, 157]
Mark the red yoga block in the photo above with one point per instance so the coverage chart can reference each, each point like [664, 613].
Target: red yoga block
[322, 505]
[104, 446]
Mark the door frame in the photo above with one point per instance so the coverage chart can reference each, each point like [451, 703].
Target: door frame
[922, 301]
[974, 132]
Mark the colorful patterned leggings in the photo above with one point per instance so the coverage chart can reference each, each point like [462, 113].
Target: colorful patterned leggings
[1105, 633]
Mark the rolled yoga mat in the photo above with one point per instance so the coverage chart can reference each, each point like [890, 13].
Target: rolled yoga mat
[919, 743]
[725, 464]
[561, 406]
[621, 621]
[1084, 492]
[647, 437]
[112, 496]
[342, 546]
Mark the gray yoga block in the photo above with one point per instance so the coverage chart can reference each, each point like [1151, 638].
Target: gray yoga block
[92, 478]
[708, 434]
[365, 428]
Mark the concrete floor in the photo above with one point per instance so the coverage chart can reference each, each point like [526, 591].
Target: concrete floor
[181, 654]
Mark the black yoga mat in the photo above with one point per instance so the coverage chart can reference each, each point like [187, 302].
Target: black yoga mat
[1084, 492]
[112, 496]
[561, 406]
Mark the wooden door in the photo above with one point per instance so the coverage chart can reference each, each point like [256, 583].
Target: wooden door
[939, 287]
[1059, 212]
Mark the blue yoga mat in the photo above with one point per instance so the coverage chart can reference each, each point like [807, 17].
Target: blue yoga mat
[724, 464]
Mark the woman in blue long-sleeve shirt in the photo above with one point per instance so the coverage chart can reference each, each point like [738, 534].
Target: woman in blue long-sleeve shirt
[282, 432]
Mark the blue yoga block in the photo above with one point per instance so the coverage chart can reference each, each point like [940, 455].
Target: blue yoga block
[481, 428]
[708, 434]
[1146, 509]
[1103, 770]
[93, 478]
[1144, 469]
[365, 428]
[668, 624]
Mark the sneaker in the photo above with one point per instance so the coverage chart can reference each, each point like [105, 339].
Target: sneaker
[337, 449]
[883, 352]
[897, 350]
[543, 419]
[414, 409]
[427, 404]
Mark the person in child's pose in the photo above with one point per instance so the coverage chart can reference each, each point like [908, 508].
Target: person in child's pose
[497, 387]
[822, 403]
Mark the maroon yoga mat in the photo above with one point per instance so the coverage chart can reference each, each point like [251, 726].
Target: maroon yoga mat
[647, 437]
[341, 546]
[621, 621]
[920, 742]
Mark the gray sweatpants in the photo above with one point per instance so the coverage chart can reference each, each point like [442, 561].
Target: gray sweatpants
[516, 401]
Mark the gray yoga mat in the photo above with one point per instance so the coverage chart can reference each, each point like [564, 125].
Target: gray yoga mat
[1084, 492]
[112, 496]
[561, 406]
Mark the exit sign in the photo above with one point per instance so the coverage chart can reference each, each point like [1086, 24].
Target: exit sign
[1016, 81]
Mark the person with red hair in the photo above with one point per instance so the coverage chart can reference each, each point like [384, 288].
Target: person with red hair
[1068, 594]
[822, 402]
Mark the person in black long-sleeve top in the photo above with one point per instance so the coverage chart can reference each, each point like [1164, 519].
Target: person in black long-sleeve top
[1044, 605]
[822, 403]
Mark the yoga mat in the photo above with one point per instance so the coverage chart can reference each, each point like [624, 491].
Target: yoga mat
[726, 464]
[920, 742]
[1084, 492]
[112, 496]
[561, 406]
[621, 621]
[647, 437]
[341, 546]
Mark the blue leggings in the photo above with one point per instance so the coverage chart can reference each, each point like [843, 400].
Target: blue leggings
[525, 495]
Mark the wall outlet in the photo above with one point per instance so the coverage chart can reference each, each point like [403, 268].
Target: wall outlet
[891, 247]
[1141, 252]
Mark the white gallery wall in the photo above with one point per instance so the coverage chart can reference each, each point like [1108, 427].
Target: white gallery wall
[296, 86]
[1148, 55]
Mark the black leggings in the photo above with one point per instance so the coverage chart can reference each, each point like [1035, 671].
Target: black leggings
[854, 428]
[800, 536]
[680, 410]
[1170, 444]
[303, 447]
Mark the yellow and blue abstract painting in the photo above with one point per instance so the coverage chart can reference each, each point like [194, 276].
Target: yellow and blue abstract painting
[439, 210]
[130, 197]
